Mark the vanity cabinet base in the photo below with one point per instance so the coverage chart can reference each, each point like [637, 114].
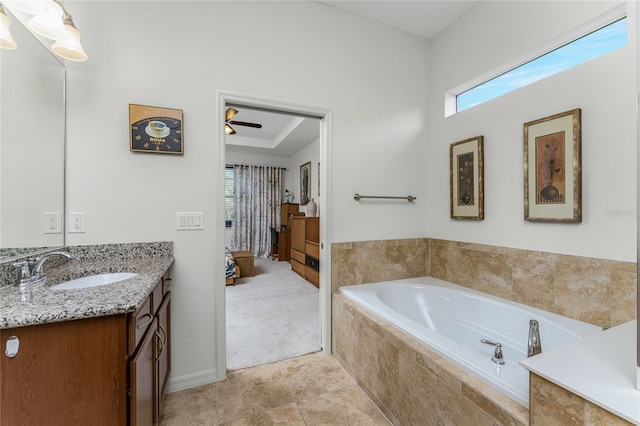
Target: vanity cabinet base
[66, 373]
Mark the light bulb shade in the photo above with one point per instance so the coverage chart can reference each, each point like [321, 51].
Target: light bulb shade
[32, 7]
[6, 39]
[50, 24]
[70, 48]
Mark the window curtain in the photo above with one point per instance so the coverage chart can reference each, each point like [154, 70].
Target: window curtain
[257, 194]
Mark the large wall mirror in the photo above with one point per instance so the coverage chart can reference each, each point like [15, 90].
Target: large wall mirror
[32, 146]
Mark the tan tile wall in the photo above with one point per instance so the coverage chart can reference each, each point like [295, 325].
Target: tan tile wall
[551, 404]
[410, 383]
[598, 291]
[377, 261]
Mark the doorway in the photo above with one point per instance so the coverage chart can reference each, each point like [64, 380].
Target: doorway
[322, 117]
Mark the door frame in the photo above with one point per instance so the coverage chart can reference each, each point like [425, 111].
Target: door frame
[325, 208]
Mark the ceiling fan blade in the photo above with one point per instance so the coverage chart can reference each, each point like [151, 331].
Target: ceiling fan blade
[244, 123]
[230, 113]
[229, 130]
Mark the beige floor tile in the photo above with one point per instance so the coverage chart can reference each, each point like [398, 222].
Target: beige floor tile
[285, 415]
[196, 406]
[348, 406]
[247, 392]
[313, 375]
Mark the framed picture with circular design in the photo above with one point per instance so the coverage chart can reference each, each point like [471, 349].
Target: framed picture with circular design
[155, 129]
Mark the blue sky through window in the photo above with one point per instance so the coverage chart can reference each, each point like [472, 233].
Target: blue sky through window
[590, 46]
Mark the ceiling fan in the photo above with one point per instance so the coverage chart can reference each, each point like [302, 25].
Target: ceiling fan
[228, 115]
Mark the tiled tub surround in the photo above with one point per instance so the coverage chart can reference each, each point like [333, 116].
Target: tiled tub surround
[409, 382]
[149, 260]
[597, 291]
[452, 320]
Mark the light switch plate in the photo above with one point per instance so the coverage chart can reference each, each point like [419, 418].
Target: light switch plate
[189, 221]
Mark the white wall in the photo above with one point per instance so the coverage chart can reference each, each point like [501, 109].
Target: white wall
[310, 153]
[491, 34]
[178, 54]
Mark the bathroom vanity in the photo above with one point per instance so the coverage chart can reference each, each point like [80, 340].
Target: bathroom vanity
[96, 355]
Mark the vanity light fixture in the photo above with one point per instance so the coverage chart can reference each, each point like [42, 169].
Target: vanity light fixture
[50, 20]
[49, 24]
[70, 48]
[32, 7]
[6, 40]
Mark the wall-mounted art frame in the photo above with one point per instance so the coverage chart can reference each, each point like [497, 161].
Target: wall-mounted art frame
[553, 168]
[305, 183]
[155, 129]
[466, 175]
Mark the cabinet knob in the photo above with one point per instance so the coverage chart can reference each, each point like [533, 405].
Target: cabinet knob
[12, 346]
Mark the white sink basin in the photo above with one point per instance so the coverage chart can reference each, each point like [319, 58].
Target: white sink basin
[94, 280]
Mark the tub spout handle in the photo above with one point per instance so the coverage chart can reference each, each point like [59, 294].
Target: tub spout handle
[497, 353]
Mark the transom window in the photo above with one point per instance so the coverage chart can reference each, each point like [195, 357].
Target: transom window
[597, 43]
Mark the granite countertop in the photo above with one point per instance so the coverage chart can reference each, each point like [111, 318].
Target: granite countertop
[45, 305]
[599, 368]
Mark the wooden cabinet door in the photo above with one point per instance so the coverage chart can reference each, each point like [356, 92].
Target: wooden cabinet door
[65, 373]
[298, 234]
[142, 384]
[163, 352]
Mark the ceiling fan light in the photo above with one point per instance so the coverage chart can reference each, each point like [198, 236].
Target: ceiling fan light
[6, 39]
[50, 24]
[229, 130]
[230, 113]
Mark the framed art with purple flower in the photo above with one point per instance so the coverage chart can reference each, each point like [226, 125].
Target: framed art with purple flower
[553, 168]
[466, 173]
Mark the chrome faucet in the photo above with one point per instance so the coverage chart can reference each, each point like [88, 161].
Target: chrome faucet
[31, 271]
[497, 357]
[534, 346]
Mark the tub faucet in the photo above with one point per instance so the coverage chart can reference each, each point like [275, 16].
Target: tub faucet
[497, 353]
[534, 346]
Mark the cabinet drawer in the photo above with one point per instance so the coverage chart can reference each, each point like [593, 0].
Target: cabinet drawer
[298, 267]
[313, 249]
[138, 324]
[312, 276]
[297, 255]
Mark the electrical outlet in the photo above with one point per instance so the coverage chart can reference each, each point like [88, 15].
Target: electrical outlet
[77, 222]
[52, 222]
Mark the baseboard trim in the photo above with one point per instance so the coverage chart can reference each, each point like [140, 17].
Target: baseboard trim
[193, 380]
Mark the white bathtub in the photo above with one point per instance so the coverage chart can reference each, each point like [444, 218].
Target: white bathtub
[452, 319]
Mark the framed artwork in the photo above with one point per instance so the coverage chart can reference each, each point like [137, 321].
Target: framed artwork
[466, 173]
[553, 168]
[155, 129]
[305, 183]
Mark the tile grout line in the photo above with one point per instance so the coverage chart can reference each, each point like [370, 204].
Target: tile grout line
[295, 400]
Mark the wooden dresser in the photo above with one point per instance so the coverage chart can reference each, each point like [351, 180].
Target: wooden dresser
[305, 248]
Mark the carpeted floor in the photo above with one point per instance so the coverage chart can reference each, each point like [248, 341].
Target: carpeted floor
[271, 316]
